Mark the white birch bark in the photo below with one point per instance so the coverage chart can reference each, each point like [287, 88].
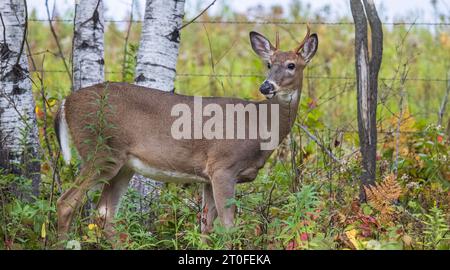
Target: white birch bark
[19, 141]
[88, 51]
[156, 62]
[160, 40]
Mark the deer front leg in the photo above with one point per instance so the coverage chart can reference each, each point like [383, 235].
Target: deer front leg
[223, 186]
[209, 211]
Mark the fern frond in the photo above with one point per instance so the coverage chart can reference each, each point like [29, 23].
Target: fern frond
[382, 195]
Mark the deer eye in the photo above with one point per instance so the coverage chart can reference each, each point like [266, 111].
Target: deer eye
[291, 66]
[269, 65]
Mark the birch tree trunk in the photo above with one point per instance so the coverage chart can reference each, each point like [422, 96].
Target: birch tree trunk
[160, 40]
[88, 52]
[157, 59]
[367, 68]
[19, 141]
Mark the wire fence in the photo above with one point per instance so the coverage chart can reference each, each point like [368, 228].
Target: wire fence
[328, 131]
[272, 22]
[268, 22]
[311, 77]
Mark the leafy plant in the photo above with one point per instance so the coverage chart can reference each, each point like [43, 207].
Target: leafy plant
[436, 232]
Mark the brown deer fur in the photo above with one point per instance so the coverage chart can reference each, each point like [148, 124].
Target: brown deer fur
[138, 135]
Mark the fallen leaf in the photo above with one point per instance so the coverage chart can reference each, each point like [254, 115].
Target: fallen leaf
[351, 236]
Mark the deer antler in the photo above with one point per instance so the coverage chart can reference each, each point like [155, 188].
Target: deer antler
[277, 41]
[297, 50]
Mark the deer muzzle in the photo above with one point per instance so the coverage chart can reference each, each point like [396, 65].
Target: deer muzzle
[267, 89]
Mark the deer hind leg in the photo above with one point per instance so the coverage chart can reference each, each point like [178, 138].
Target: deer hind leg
[109, 200]
[209, 211]
[70, 201]
[223, 186]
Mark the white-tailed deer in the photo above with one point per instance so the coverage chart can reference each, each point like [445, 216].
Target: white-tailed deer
[120, 128]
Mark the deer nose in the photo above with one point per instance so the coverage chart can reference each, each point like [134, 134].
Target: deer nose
[266, 88]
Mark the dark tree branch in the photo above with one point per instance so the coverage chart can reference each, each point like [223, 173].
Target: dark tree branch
[198, 16]
[94, 17]
[4, 29]
[25, 30]
[55, 37]
[40, 76]
[127, 37]
[316, 140]
[73, 46]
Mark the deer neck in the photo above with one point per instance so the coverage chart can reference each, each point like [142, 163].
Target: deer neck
[288, 102]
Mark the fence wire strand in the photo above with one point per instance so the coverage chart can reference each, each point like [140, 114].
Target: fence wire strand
[271, 22]
[311, 77]
[337, 23]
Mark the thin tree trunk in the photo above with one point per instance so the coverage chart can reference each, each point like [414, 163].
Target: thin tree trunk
[88, 52]
[19, 141]
[367, 69]
[157, 58]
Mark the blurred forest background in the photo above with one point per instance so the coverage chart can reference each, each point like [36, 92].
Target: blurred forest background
[306, 197]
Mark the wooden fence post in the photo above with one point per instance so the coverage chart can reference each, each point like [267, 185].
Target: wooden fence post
[367, 68]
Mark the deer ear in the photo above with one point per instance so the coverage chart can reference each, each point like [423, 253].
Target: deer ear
[310, 48]
[261, 45]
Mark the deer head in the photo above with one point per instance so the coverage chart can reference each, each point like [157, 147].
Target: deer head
[285, 69]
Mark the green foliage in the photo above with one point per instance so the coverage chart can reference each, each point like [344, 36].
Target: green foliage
[129, 63]
[436, 232]
[21, 222]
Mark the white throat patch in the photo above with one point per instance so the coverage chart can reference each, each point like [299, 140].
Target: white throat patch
[288, 95]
